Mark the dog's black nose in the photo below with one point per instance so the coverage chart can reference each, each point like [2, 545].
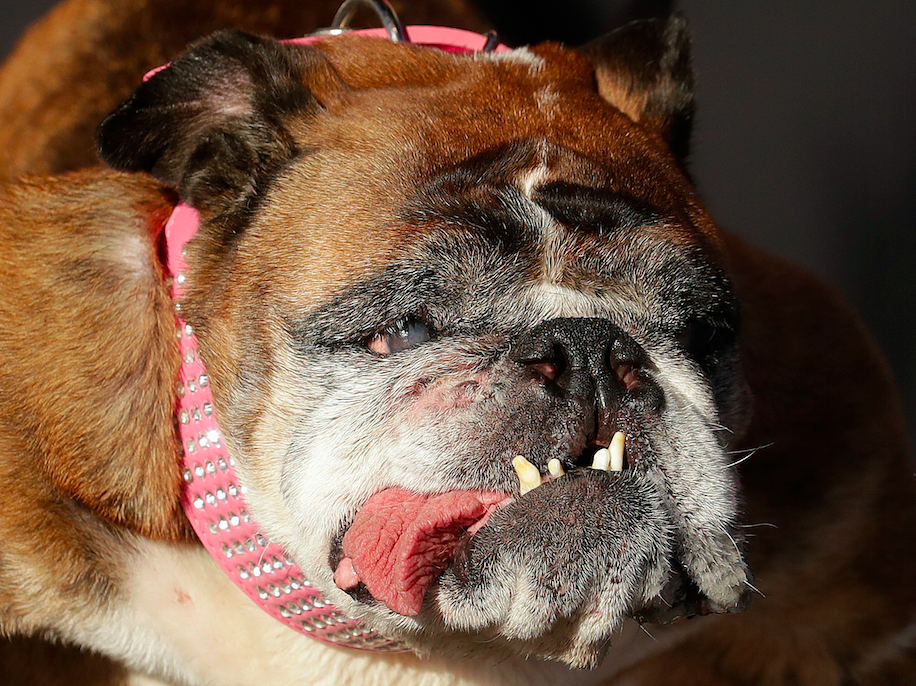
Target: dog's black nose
[587, 359]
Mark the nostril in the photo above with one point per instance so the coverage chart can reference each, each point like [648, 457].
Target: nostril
[550, 365]
[548, 370]
[627, 375]
[583, 358]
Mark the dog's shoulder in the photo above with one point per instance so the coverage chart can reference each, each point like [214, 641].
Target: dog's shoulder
[86, 355]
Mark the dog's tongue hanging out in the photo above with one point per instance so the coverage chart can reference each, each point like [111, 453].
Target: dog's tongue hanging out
[401, 541]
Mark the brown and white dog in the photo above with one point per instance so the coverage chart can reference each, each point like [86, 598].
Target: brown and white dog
[413, 267]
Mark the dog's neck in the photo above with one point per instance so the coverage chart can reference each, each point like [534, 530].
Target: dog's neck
[213, 499]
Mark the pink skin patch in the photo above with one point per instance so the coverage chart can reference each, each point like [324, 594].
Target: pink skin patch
[448, 396]
[400, 541]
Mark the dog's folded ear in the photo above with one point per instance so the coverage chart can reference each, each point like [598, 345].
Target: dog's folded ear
[213, 124]
[644, 69]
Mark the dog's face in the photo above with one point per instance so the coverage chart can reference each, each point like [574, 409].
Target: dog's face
[414, 267]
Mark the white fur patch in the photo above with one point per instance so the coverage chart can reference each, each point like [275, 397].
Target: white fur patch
[522, 56]
[547, 99]
[554, 243]
[184, 622]
[551, 300]
[531, 178]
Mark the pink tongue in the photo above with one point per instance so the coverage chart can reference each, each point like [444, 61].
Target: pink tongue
[401, 541]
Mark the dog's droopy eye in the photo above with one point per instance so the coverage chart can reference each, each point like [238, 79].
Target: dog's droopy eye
[403, 334]
[704, 341]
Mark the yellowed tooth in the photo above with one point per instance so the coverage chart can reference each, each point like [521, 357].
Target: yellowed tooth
[601, 459]
[529, 476]
[618, 445]
[555, 467]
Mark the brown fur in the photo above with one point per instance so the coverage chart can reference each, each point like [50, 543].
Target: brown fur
[837, 483]
[66, 357]
[30, 661]
[100, 50]
[83, 442]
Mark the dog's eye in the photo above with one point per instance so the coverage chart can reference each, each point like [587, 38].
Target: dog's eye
[704, 341]
[403, 334]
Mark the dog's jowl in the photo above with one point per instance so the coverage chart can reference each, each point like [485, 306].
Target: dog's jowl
[486, 373]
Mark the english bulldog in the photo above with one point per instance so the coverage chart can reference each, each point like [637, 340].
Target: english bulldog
[486, 372]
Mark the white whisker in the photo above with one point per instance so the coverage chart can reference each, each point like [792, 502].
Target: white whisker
[733, 542]
[720, 427]
[754, 588]
[749, 450]
[646, 631]
[750, 453]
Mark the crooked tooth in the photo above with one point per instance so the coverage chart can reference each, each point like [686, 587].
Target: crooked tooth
[555, 467]
[618, 445]
[602, 459]
[529, 476]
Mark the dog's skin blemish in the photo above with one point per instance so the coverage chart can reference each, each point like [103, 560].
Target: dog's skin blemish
[182, 598]
[449, 395]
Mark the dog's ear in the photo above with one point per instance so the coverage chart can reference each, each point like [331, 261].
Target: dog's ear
[213, 124]
[644, 69]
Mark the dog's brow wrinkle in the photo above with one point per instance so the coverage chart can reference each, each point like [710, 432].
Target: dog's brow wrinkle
[594, 209]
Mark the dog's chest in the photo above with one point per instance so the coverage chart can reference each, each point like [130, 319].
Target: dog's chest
[184, 620]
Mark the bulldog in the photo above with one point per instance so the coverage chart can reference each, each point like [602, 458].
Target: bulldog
[486, 372]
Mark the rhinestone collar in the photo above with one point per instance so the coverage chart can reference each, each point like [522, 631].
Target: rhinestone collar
[212, 497]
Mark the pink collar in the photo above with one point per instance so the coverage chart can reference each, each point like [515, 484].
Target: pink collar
[213, 499]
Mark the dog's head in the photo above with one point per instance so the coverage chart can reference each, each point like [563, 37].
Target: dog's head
[414, 266]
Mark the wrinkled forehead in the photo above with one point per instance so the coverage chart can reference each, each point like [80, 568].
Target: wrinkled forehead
[516, 153]
[521, 222]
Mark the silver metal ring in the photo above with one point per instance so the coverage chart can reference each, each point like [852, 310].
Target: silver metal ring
[382, 9]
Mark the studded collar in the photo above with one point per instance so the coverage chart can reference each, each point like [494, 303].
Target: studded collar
[212, 497]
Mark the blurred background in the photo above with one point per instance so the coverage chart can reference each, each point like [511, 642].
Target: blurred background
[804, 142]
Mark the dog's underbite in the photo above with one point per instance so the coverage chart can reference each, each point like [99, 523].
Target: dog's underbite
[417, 359]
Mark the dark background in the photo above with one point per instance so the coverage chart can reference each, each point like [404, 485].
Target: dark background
[805, 142]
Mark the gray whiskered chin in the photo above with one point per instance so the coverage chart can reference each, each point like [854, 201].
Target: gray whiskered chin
[559, 570]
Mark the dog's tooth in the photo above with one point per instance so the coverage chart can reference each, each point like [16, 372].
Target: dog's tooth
[555, 467]
[601, 459]
[529, 476]
[618, 445]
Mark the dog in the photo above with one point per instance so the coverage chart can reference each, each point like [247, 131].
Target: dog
[487, 372]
